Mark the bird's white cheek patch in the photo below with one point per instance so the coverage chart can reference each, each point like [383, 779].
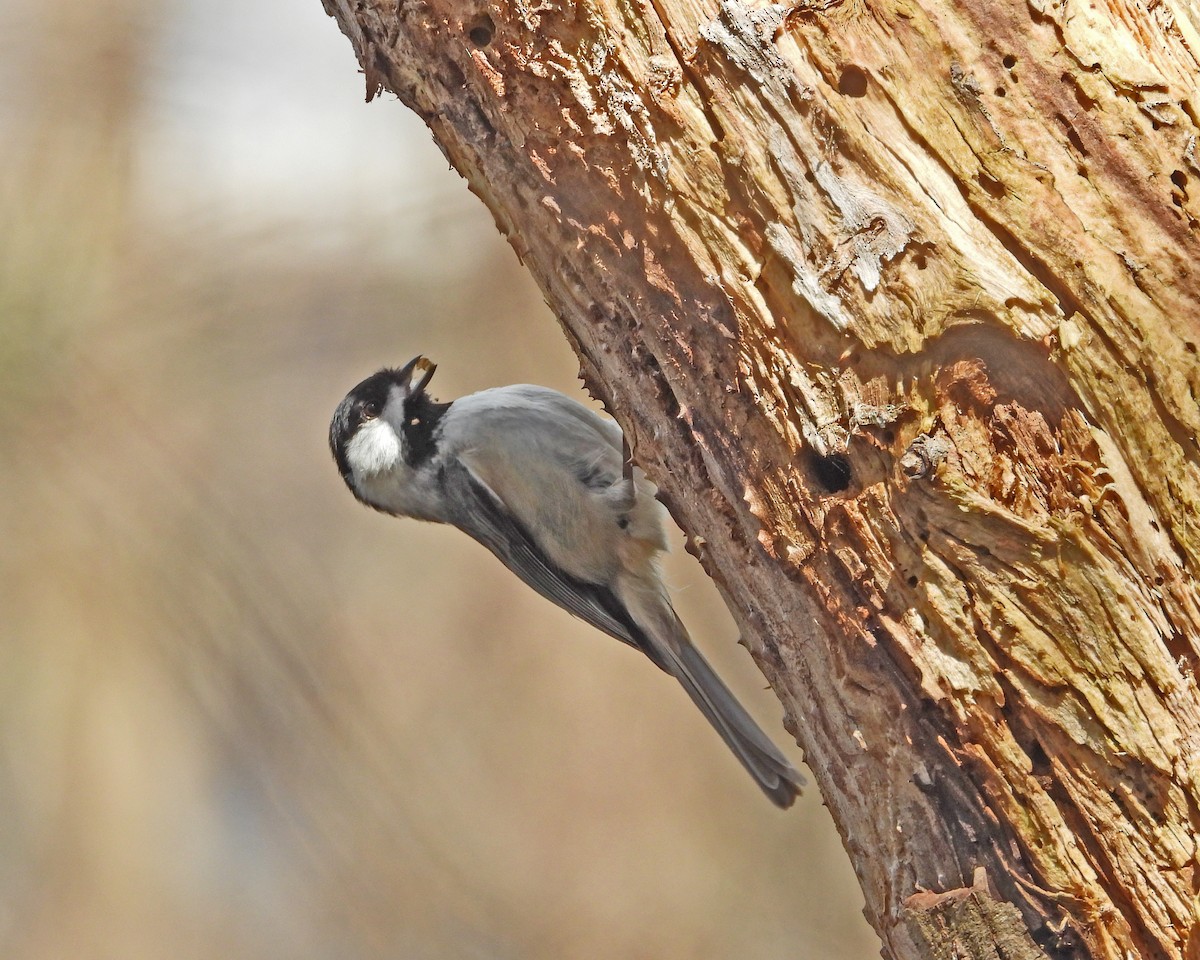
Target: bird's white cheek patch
[374, 449]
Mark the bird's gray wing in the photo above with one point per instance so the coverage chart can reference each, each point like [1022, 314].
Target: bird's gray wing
[481, 514]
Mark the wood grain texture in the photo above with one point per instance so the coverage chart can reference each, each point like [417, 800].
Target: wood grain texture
[898, 304]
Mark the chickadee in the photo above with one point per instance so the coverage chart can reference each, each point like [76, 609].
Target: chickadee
[539, 480]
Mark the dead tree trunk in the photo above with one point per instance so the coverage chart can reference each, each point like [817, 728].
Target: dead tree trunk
[898, 300]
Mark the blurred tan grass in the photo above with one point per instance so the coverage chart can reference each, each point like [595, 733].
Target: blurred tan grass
[241, 716]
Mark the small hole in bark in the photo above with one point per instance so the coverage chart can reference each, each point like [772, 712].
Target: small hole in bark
[989, 183]
[1072, 134]
[1038, 759]
[1190, 347]
[853, 82]
[482, 30]
[1179, 178]
[913, 581]
[924, 535]
[920, 261]
[1009, 62]
[1158, 581]
[833, 472]
[453, 78]
[1001, 92]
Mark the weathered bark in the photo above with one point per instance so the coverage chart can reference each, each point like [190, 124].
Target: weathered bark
[898, 302]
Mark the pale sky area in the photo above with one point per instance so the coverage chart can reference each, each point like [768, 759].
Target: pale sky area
[261, 107]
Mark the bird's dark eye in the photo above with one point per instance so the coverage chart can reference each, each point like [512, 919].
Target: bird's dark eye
[369, 410]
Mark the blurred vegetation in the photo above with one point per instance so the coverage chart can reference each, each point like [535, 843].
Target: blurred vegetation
[239, 714]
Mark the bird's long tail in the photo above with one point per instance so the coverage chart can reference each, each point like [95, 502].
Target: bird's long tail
[677, 655]
[771, 770]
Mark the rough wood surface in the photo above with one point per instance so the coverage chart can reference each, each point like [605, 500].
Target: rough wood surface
[899, 303]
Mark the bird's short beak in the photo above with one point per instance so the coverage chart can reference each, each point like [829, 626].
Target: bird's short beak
[417, 365]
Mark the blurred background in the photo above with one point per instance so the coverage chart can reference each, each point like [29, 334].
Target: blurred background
[240, 715]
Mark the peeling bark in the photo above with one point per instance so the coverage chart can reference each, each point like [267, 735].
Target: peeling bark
[897, 303]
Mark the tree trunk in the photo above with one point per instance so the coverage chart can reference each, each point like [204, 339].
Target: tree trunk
[897, 302]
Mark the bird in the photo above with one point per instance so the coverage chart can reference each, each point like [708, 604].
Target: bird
[543, 482]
